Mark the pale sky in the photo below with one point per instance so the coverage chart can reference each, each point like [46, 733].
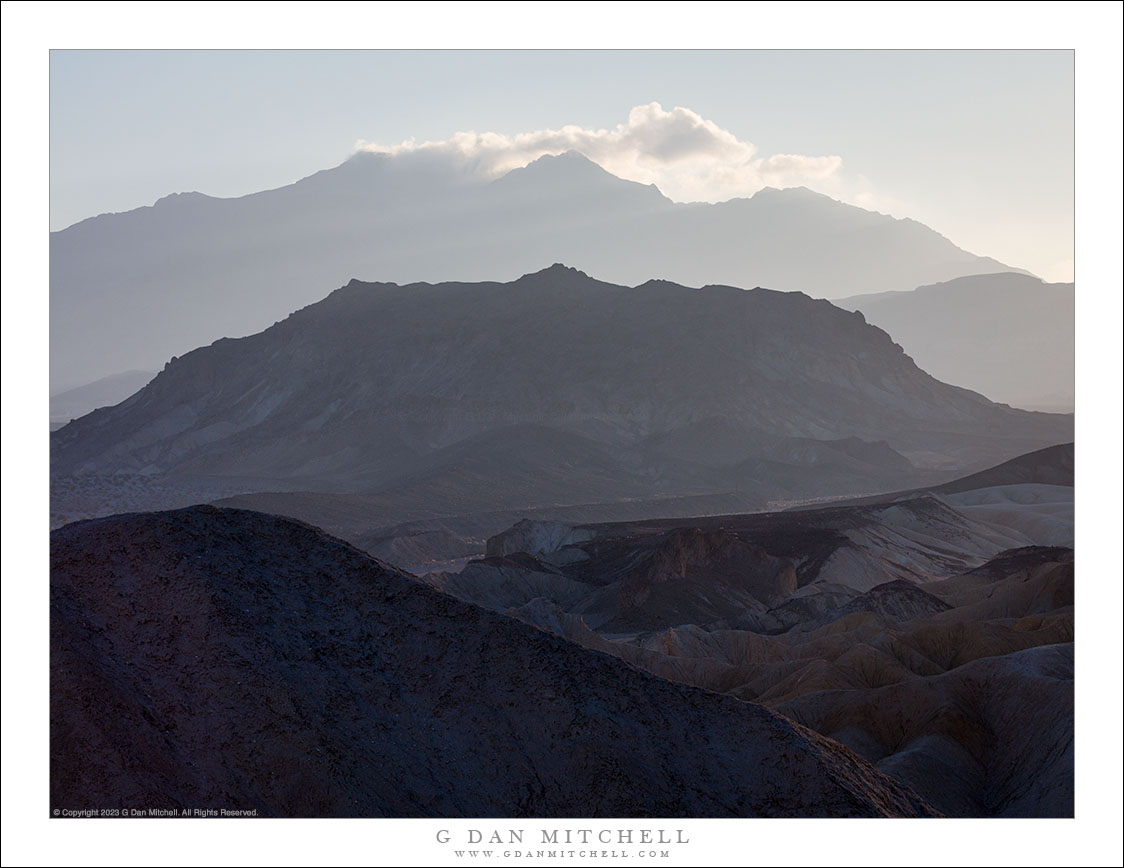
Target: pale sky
[976, 144]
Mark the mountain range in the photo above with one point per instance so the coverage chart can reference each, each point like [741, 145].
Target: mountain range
[552, 390]
[106, 392]
[907, 657]
[1008, 336]
[130, 290]
[657, 569]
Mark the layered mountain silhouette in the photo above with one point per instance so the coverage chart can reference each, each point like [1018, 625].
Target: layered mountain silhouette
[129, 290]
[228, 658]
[1053, 465]
[556, 389]
[931, 632]
[225, 654]
[77, 402]
[1008, 336]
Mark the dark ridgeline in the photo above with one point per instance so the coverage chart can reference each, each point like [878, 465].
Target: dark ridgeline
[1050, 466]
[130, 290]
[553, 389]
[228, 658]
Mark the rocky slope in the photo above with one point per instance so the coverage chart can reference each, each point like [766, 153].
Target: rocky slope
[1052, 466]
[130, 290]
[772, 572]
[235, 660]
[555, 389]
[932, 633]
[993, 737]
[969, 703]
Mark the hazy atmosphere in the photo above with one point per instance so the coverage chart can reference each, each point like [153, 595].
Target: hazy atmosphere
[976, 144]
[533, 442]
[587, 379]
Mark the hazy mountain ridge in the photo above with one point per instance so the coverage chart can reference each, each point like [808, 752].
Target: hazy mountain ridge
[555, 389]
[453, 360]
[1053, 465]
[74, 403]
[129, 290]
[1008, 336]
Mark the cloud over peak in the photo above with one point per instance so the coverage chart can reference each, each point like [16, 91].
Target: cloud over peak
[688, 157]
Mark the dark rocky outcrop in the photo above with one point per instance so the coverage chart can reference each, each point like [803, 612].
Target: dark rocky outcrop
[232, 659]
[897, 601]
[696, 576]
[991, 738]
[1050, 466]
[954, 676]
[555, 388]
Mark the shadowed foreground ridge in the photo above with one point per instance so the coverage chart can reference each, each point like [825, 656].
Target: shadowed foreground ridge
[225, 658]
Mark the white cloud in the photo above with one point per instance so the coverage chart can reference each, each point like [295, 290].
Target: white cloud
[688, 157]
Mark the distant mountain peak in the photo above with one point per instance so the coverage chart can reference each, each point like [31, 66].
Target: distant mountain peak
[558, 269]
[575, 168]
[572, 155]
[566, 161]
[656, 282]
[793, 195]
[247, 261]
[187, 196]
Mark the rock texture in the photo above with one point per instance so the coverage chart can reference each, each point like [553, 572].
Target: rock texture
[694, 575]
[231, 659]
[768, 572]
[535, 538]
[993, 737]
[896, 601]
[970, 704]
[933, 635]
